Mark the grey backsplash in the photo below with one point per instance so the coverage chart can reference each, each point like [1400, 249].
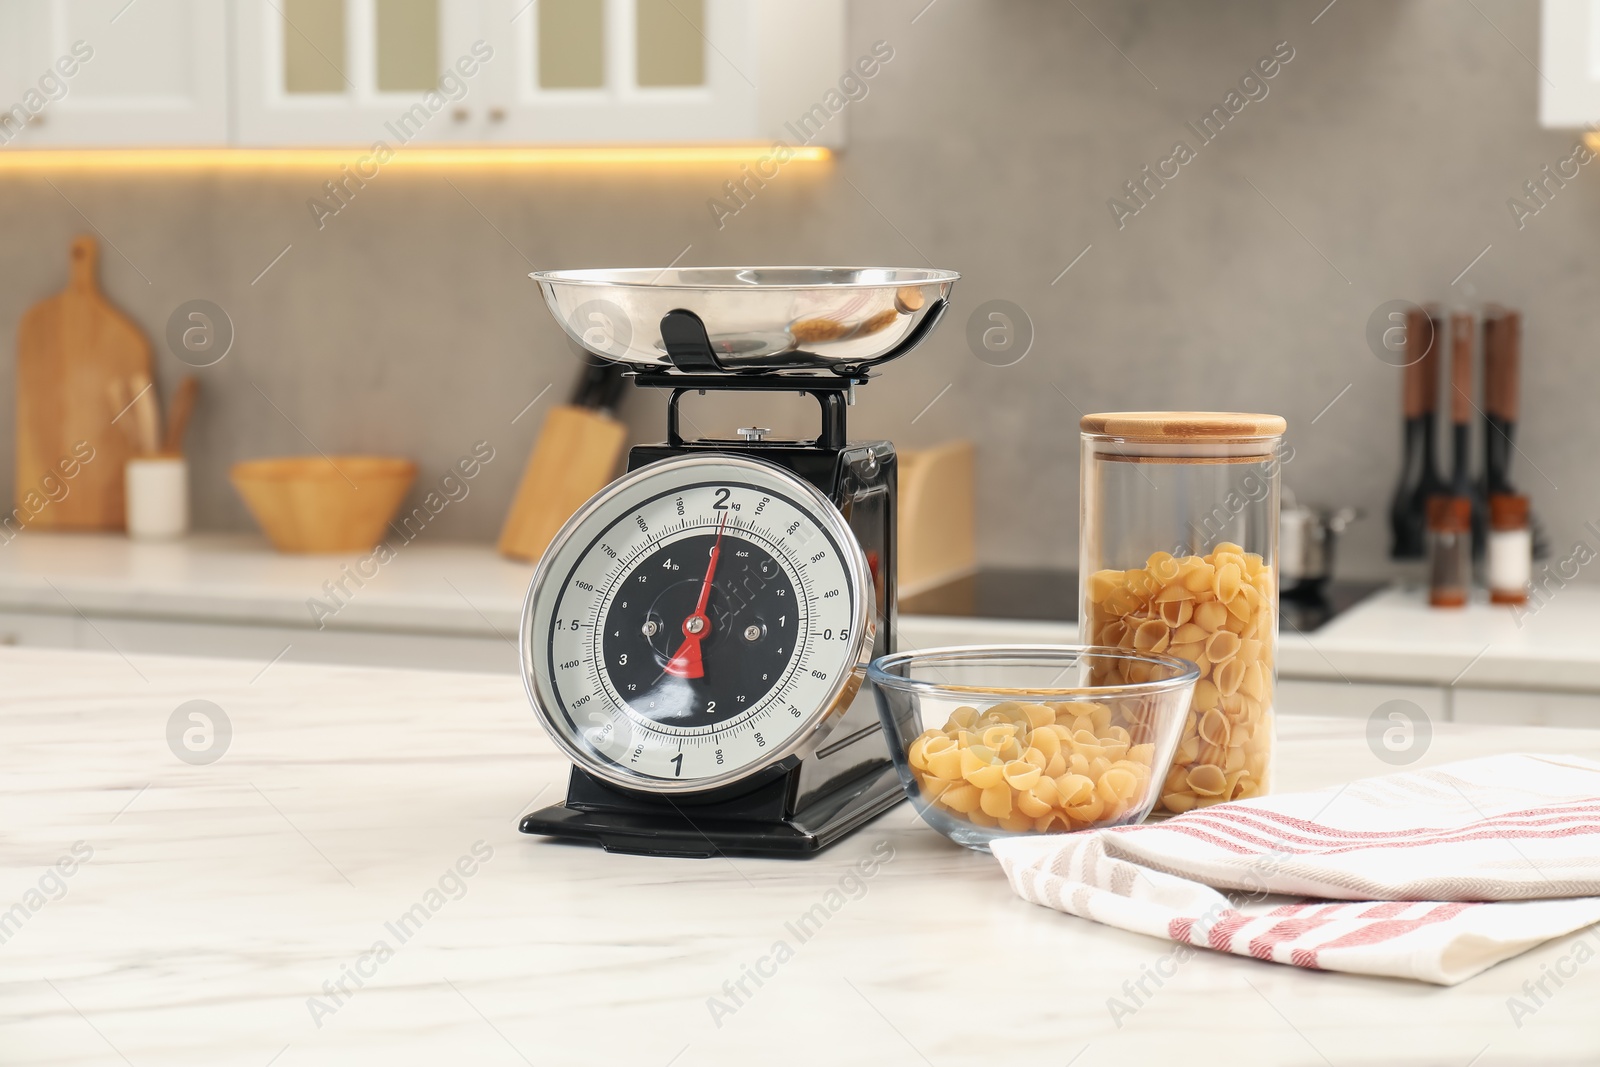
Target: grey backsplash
[1377, 166]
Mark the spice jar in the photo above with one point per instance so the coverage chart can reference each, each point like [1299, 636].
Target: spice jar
[1510, 556]
[1449, 550]
[1178, 554]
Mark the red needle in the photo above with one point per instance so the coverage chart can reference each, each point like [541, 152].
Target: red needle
[685, 663]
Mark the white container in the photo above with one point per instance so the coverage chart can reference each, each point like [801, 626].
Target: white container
[157, 490]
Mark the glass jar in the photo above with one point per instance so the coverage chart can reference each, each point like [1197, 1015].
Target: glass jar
[1178, 540]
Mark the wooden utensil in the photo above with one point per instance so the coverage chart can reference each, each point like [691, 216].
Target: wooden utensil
[178, 417]
[69, 346]
[574, 456]
[146, 415]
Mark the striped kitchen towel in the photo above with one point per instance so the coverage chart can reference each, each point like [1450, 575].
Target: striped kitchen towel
[1434, 874]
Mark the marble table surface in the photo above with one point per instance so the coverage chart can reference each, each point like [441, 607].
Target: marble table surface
[345, 884]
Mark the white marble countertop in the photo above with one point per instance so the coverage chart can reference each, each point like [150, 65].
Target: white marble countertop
[208, 905]
[427, 587]
[469, 590]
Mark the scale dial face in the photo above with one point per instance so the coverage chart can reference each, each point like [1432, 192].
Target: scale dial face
[697, 621]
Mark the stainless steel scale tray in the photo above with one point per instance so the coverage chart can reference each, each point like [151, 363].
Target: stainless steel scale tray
[809, 319]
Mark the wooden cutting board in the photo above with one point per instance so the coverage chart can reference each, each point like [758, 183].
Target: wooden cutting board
[68, 348]
[574, 456]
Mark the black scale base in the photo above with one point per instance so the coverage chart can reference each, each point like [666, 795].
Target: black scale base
[758, 823]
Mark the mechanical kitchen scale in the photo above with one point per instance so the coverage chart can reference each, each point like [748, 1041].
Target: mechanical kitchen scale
[695, 638]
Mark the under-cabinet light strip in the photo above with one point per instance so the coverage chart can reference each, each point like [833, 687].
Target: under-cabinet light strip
[118, 160]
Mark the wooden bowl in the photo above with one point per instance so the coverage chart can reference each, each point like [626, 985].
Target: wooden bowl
[312, 504]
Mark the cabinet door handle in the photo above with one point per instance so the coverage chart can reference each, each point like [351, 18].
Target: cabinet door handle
[461, 114]
[497, 114]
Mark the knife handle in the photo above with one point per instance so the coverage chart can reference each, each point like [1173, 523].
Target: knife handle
[1509, 337]
[1414, 400]
[1461, 368]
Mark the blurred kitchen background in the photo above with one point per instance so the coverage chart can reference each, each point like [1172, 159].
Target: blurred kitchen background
[1375, 164]
[1381, 161]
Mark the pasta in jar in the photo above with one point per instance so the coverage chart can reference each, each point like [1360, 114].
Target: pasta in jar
[1218, 611]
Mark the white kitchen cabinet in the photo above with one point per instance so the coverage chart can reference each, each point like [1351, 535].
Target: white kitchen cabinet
[356, 72]
[43, 631]
[109, 72]
[264, 644]
[596, 71]
[1527, 708]
[1357, 700]
[1569, 63]
[352, 73]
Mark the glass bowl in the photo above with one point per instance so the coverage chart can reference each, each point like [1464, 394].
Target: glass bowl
[999, 741]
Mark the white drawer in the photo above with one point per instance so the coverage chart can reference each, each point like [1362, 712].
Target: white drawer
[45, 631]
[265, 643]
[1356, 700]
[1525, 708]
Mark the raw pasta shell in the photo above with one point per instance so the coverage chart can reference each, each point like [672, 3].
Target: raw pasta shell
[1222, 646]
[1176, 613]
[1074, 789]
[1102, 584]
[1030, 805]
[1178, 802]
[1161, 566]
[963, 718]
[996, 801]
[946, 763]
[1226, 583]
[1254, 684]
[1046, 742]
[1214, 728]
[1175, 593]
[1210, 616]
[1039, 715]
[1089, 811]
[1201, 577]
[1206, 780]
[1117, 786]
[1021, 775]
[961, 798]
[1228, 677]
[1152, 636]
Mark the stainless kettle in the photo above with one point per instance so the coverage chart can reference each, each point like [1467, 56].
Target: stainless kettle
[1307, 537]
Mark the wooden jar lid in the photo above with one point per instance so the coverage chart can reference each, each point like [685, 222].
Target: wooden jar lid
[1179, 426]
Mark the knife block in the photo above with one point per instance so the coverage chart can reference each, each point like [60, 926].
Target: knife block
[575, 455]
[937, 538]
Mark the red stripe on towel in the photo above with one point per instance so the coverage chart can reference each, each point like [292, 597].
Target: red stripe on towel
[1383, 930]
